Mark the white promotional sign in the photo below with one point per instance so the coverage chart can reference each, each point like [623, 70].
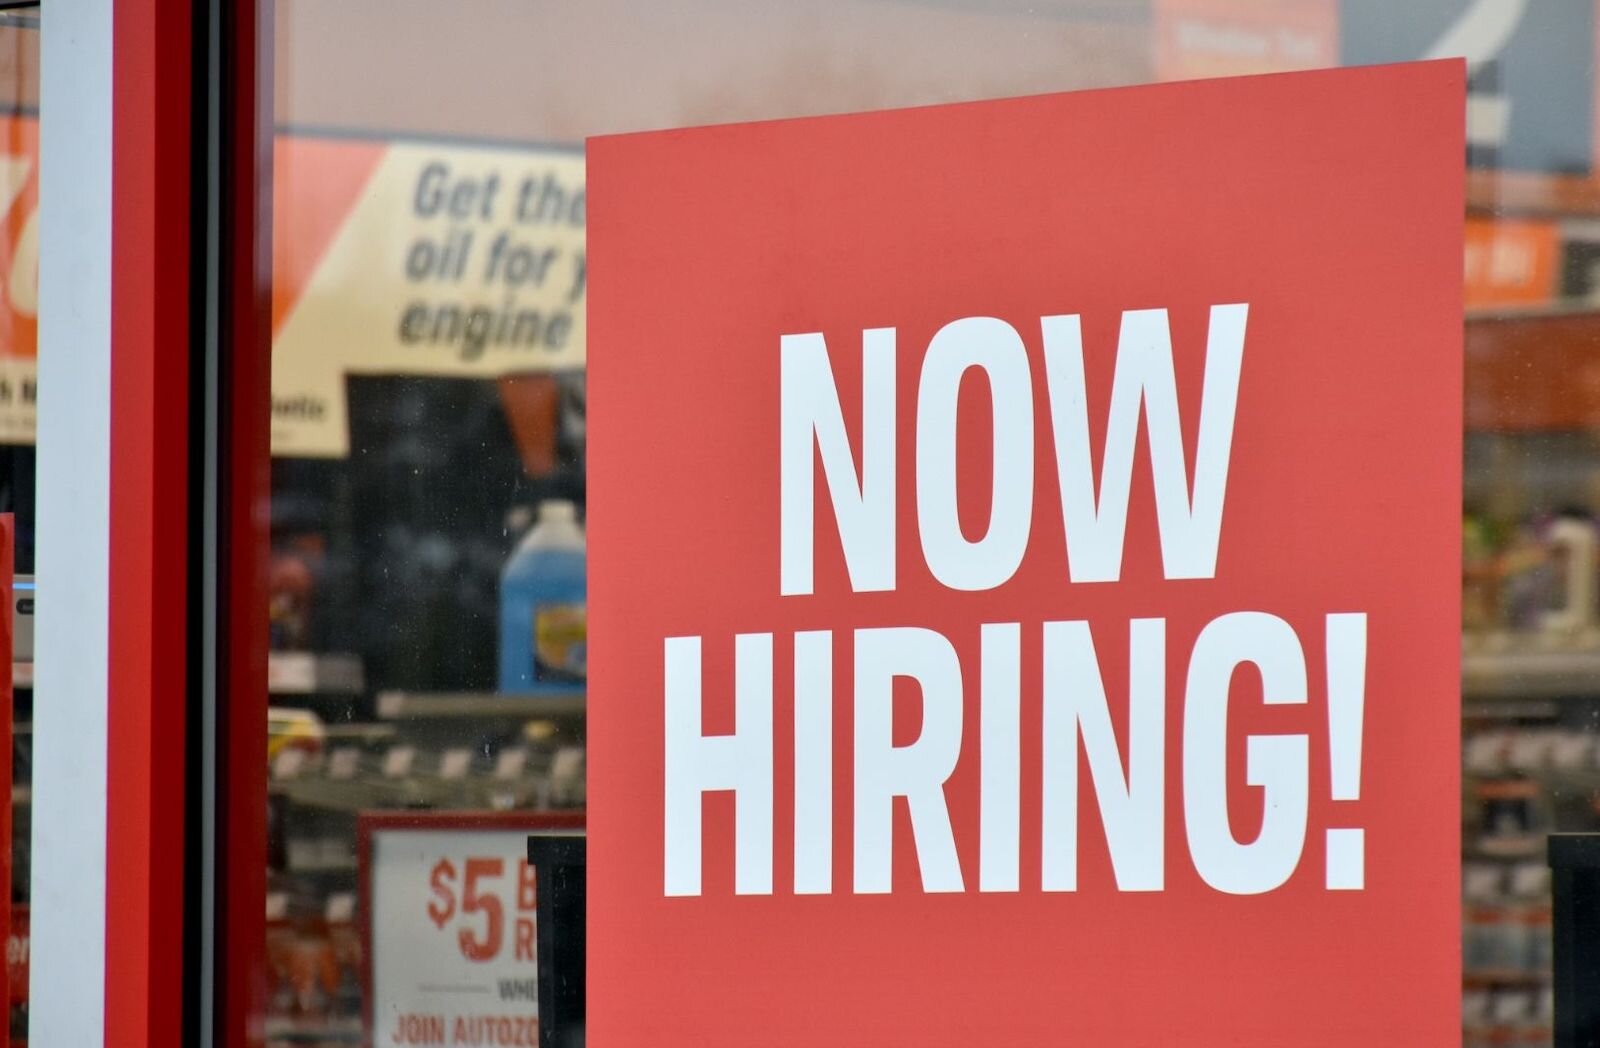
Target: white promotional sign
[412, 258]
[453, 956]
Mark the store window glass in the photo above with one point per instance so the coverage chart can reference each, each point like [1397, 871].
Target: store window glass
[19, 275]
[428, 597]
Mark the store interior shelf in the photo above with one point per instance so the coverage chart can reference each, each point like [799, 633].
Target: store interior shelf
[1504, 977]
[314, 1031]
[309, 673]
[1512, 675]
[408, 705]
[1515, 674]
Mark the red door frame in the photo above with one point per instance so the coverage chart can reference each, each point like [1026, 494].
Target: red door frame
[148, 651]
[156, 344]
[244, 433]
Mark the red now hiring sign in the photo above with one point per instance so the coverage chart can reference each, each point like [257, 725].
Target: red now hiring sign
[1026, 572]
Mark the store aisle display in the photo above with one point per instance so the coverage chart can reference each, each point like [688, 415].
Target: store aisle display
[1531, 700]
[404, 753]
[342, 744]
[429, 660]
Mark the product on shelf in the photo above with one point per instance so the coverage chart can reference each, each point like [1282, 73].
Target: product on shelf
[1512, 822]
[543, 605]
[1526, 775]
[1532, 583]
[296, 573]
[313, 968]
[344, 939]
[290, 584]
[293, 735]
[1571, 542]
[1507, 1018]
[1506, 922]
[18, 950]
[1479, 570]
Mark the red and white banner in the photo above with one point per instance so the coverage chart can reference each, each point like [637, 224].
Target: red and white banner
[1025, 571]
[389, 257]
[19, 278]
[417, 258]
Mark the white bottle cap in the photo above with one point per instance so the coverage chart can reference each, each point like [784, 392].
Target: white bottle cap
[558, 511]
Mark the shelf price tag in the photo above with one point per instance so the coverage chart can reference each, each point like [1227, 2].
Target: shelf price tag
[455, 763]
[343, 763]
[511, 763]
[398, 761]
[289, 763]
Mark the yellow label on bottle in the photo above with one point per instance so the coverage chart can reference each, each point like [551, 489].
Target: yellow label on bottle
[561, 641]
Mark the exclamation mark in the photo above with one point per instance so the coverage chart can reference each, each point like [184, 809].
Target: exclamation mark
[1347, 700]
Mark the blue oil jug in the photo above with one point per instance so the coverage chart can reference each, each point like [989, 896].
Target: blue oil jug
[543, 606]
